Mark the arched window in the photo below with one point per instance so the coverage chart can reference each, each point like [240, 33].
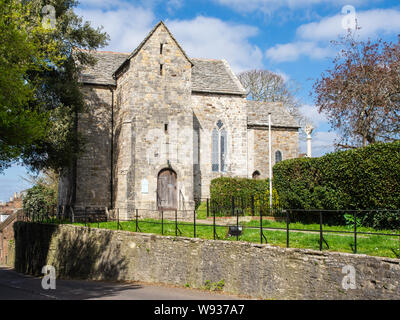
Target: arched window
[223, 147]
[278, 156]
[219, 148]
[215, 149]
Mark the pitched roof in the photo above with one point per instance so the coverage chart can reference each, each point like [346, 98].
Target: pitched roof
[211, 76]
[257, 113]
[102, 71]
[215, 76]
[135, 52]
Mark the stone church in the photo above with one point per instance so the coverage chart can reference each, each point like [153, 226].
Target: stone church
[162, 125]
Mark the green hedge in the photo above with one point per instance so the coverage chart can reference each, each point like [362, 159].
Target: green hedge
[223, 189]
[366, 178]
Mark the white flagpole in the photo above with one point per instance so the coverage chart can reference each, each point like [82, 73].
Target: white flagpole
[270, 161]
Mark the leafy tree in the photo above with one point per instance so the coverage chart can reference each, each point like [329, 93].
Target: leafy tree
[21, 123]
[60, 88]
[39, 200]
[360, 95]
[42, 197]
[55, 97]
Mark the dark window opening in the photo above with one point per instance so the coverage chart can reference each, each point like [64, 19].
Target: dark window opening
[161, 69]
[278, 156]
[166, 127]
[256, 174]
[161, 48]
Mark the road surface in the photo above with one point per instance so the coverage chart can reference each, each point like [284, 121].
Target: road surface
[15, 286]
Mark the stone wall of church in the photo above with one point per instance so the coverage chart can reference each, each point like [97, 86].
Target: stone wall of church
[94, 165]
[208, 109]
[285, 140]
[153, 125]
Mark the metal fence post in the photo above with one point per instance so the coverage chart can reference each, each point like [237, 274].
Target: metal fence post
[261, 226]
[176, 223]
[233, 206]
[320, 231]
[355, 232]
[137, 221]
[237, 225]
[214, 222]
[252, 205]
[208, 208]
[162, 222]
[194, 223]
[287, 228]
[118, 219]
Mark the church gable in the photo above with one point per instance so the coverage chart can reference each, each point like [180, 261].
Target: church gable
[205, 75]
[159, 43]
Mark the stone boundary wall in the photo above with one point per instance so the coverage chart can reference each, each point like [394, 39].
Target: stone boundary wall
[259, 271]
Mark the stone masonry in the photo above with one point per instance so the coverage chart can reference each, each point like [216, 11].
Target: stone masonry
[259, 271]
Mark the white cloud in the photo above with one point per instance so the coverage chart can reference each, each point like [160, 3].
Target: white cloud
[201, 37]
[205, 37]
[323, 142]
[284, 75]
[292, 51]
[269, 6]
[311, 112]
[313, 39]
[372, 23]
[126, 24]
[173, 5]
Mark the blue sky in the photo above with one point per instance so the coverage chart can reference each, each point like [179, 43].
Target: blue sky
[290, 37]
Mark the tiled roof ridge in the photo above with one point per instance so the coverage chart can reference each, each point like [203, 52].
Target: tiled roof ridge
[258, 110]
[104, 51]
[206, 59]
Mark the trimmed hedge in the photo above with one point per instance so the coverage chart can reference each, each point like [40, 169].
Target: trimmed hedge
[366, 178]
[223, 189]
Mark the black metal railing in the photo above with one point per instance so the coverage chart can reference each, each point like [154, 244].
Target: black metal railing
[316, 222]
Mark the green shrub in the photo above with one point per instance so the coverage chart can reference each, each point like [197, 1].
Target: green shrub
[39, 199]
[366, 178]
[241, 189]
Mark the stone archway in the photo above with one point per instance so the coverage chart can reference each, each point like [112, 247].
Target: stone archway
[167, 195]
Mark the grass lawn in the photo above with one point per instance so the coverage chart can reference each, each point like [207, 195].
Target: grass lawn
[375, 245]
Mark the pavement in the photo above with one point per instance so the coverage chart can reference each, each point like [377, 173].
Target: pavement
[16, 286]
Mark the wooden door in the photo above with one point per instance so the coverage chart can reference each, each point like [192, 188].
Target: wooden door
[167, 190]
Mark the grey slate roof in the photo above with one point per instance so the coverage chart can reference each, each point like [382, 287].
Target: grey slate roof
[215, 76]
[101, 73]
[212, 76]
[257, 113]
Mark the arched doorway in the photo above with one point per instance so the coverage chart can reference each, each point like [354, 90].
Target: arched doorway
[167, 190]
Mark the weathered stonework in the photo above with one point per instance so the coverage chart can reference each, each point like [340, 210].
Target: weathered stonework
[153, 111]
[259, 271]
[285, 140]
[231, 110]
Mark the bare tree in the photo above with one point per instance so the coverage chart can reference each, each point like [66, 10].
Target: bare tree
[47, 178]
[360, 95]
[266, 86]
